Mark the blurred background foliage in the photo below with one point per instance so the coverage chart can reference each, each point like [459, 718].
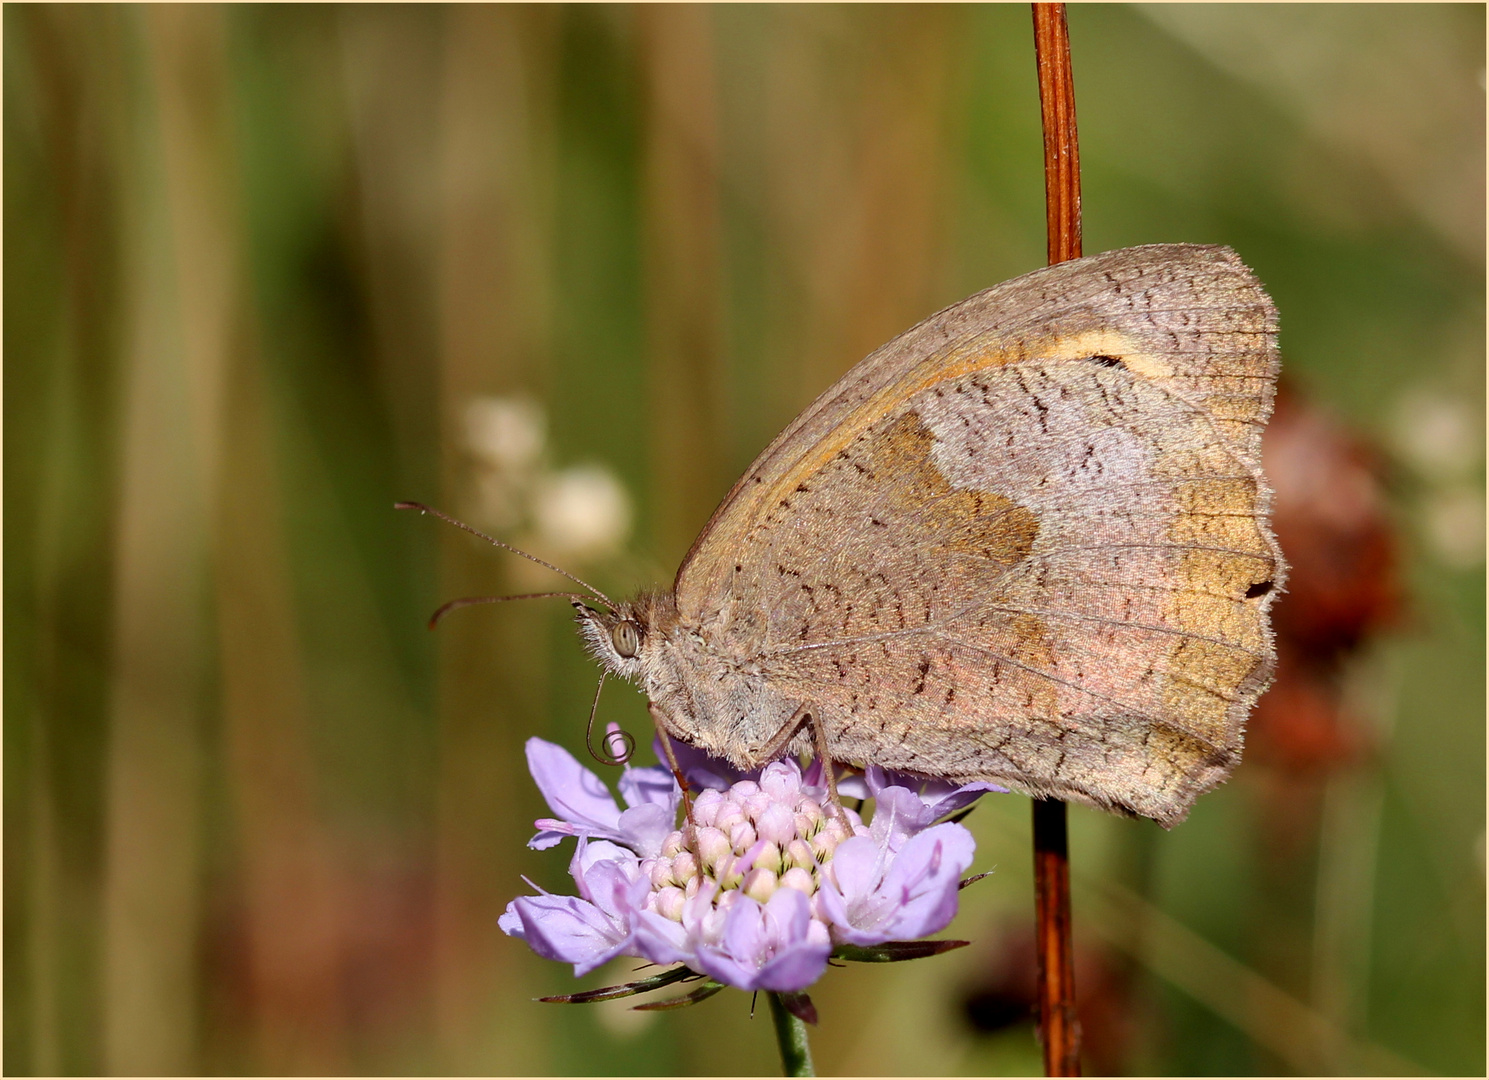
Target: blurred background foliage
[563, 271]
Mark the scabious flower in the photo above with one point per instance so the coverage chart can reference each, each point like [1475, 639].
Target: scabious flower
[760, 886]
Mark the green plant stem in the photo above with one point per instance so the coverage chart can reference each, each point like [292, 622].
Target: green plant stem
[791, 1034]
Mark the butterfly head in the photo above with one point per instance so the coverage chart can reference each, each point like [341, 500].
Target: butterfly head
[624, 638]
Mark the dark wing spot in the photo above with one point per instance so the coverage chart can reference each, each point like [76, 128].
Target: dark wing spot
[1260, 588]
[1109, 361]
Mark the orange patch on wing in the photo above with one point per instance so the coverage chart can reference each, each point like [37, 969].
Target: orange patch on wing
[1224, 553]
[981, 523]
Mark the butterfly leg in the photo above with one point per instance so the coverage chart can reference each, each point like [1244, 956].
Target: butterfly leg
[819, 737]
[804, 715]
[666, 741]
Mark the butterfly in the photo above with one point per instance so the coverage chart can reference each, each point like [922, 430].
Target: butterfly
[1025, 542]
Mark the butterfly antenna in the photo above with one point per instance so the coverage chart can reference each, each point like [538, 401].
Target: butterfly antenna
[598, 595]
[607, 756]
[467, 601]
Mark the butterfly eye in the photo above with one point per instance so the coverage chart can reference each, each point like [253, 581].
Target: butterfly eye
[626, 637]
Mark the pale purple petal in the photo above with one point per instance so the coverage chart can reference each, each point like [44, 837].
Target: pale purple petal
[643, 828]
[814, 777]
[661, 940]
[589, 929]
[926, 878]
[609, 876]
[649, 785]
[949, 802]
[769, 946]
[701, 770]
[550, 832]
[912, 895]
[852, 786]
[857, 868]
[898, 815]
[581, 800]
[565, 928]
[944, 796]
[510, 923]
[905, 803]
[588, 809]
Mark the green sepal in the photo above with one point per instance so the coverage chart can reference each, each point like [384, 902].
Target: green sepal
[799, 1006]
[891, 951]
[703, 993]
[609, 993]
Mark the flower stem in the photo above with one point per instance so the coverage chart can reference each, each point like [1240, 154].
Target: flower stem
[791, 1034]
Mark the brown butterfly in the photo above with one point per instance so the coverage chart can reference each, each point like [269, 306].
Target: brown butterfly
[1026, 541]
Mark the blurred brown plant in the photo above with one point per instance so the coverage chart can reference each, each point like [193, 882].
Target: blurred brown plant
[1343, 586]
[1003, 996]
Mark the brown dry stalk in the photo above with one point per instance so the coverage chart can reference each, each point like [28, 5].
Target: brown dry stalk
[1059, 1028]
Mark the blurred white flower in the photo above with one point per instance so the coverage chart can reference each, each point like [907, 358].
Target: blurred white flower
[506, 433]
[583, 511]
[1455, 526]
[579, 512]
[1436, 434]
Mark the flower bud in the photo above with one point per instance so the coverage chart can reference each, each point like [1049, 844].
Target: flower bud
[818, 934]
[769, 857]
[798, 879]
[780, 781]
[658, 870]
[684, 866]
[712, 845]
[835, 828]
[730, 814]
[759, 884]
[799, 854]
[742, 837]
[669, 902]
[673, 844]
[706, 807]
[744, 789]
[776, 824]
[756, 804]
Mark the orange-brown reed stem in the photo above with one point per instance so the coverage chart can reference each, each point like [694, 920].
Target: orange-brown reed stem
[1059, 1028]
[1062, 159]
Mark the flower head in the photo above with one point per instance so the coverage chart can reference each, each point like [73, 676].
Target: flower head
[758, 887]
